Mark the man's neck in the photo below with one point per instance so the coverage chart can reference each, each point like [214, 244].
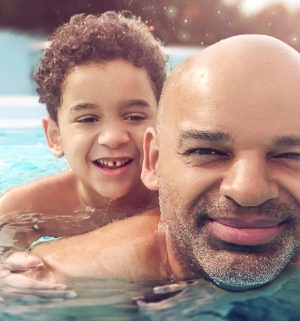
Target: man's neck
[178, 270]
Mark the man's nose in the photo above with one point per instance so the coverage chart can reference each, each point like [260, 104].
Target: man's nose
[113, 136]
[249, 183]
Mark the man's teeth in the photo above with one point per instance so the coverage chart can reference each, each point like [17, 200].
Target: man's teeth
[110, 163]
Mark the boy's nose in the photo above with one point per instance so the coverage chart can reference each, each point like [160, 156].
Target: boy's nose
[113, 137]
[248, 182]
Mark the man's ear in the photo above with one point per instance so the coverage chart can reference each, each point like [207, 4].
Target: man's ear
[149, 174]
[52, 134]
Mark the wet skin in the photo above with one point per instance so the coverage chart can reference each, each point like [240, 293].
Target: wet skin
[227, 162]
[101, 122]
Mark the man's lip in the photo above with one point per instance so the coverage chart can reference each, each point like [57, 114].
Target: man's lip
[249, 232]
[249, 222]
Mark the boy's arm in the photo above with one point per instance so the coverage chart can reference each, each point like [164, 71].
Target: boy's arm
[17, 286]
[15, 229]
[125, 249]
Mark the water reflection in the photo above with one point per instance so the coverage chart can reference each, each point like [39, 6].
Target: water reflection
[279, 301]
[200, 300]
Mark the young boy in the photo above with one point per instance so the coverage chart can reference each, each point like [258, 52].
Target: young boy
[101, 79]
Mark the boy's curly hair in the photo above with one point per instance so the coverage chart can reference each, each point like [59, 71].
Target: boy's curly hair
[90, 38]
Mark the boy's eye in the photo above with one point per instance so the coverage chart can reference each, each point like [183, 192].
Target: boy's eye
[134, 117]
[86, 119]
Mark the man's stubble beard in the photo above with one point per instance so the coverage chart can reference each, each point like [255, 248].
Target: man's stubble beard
[228, 265]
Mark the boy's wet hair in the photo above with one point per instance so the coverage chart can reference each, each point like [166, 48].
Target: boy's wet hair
[97, 39]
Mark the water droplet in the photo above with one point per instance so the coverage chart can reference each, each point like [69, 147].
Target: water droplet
[171, 12]
[184, 36]
[185, 20]
[269, 24]
[219, 12]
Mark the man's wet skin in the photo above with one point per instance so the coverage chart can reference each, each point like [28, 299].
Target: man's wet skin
[228, 179]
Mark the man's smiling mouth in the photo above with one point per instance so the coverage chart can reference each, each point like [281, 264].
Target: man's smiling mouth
[254, 233]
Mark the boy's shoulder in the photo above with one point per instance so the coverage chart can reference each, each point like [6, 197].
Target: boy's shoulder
[34, 196]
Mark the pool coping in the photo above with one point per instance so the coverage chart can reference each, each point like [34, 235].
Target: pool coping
[21, 111]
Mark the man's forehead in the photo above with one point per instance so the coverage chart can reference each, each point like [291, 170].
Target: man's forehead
[247, 75]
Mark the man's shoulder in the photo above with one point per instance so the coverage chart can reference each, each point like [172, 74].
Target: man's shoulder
[146, 220]
[139, 226]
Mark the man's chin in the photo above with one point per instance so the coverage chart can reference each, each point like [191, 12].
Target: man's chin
[243, 268]
[241, 280]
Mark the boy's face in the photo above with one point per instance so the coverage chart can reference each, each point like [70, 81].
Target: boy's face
[104, 112]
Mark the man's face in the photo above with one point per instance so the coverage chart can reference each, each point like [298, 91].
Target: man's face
[229, 173]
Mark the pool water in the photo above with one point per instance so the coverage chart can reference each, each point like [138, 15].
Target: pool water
[113, 300]
[25, 156]
[278, 301]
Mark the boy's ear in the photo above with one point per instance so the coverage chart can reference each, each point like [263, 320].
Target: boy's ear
[149, 174]
[52, 134]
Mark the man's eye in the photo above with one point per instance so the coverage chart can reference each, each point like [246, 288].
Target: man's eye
[291, 157]
[288, 156]
[291, 160]
[204, 152]
[87, 119]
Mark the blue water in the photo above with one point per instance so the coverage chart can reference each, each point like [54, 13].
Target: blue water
[25, 156]
[202, 301]
[278, 301]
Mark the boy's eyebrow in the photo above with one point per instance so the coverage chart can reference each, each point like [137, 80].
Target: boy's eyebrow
[288, 140]
[217, 137]
[134, 102]
[123, 104]
[82, 106]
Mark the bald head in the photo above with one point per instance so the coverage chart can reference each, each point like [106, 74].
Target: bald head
[226, 161]
[229, 65]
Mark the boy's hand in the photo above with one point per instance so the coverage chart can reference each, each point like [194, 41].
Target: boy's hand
[15, 285]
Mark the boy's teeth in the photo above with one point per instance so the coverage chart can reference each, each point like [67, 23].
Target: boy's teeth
[109, 163]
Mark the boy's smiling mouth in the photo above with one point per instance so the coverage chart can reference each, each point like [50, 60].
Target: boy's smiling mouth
[112, 163]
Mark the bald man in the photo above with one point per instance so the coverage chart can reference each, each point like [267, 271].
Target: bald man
[225, 158]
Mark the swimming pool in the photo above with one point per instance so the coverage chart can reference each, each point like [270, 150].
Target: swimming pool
[24, 156]
[120, 301]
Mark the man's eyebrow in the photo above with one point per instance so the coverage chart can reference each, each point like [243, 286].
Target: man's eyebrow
[218, 137]
[289, 140]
